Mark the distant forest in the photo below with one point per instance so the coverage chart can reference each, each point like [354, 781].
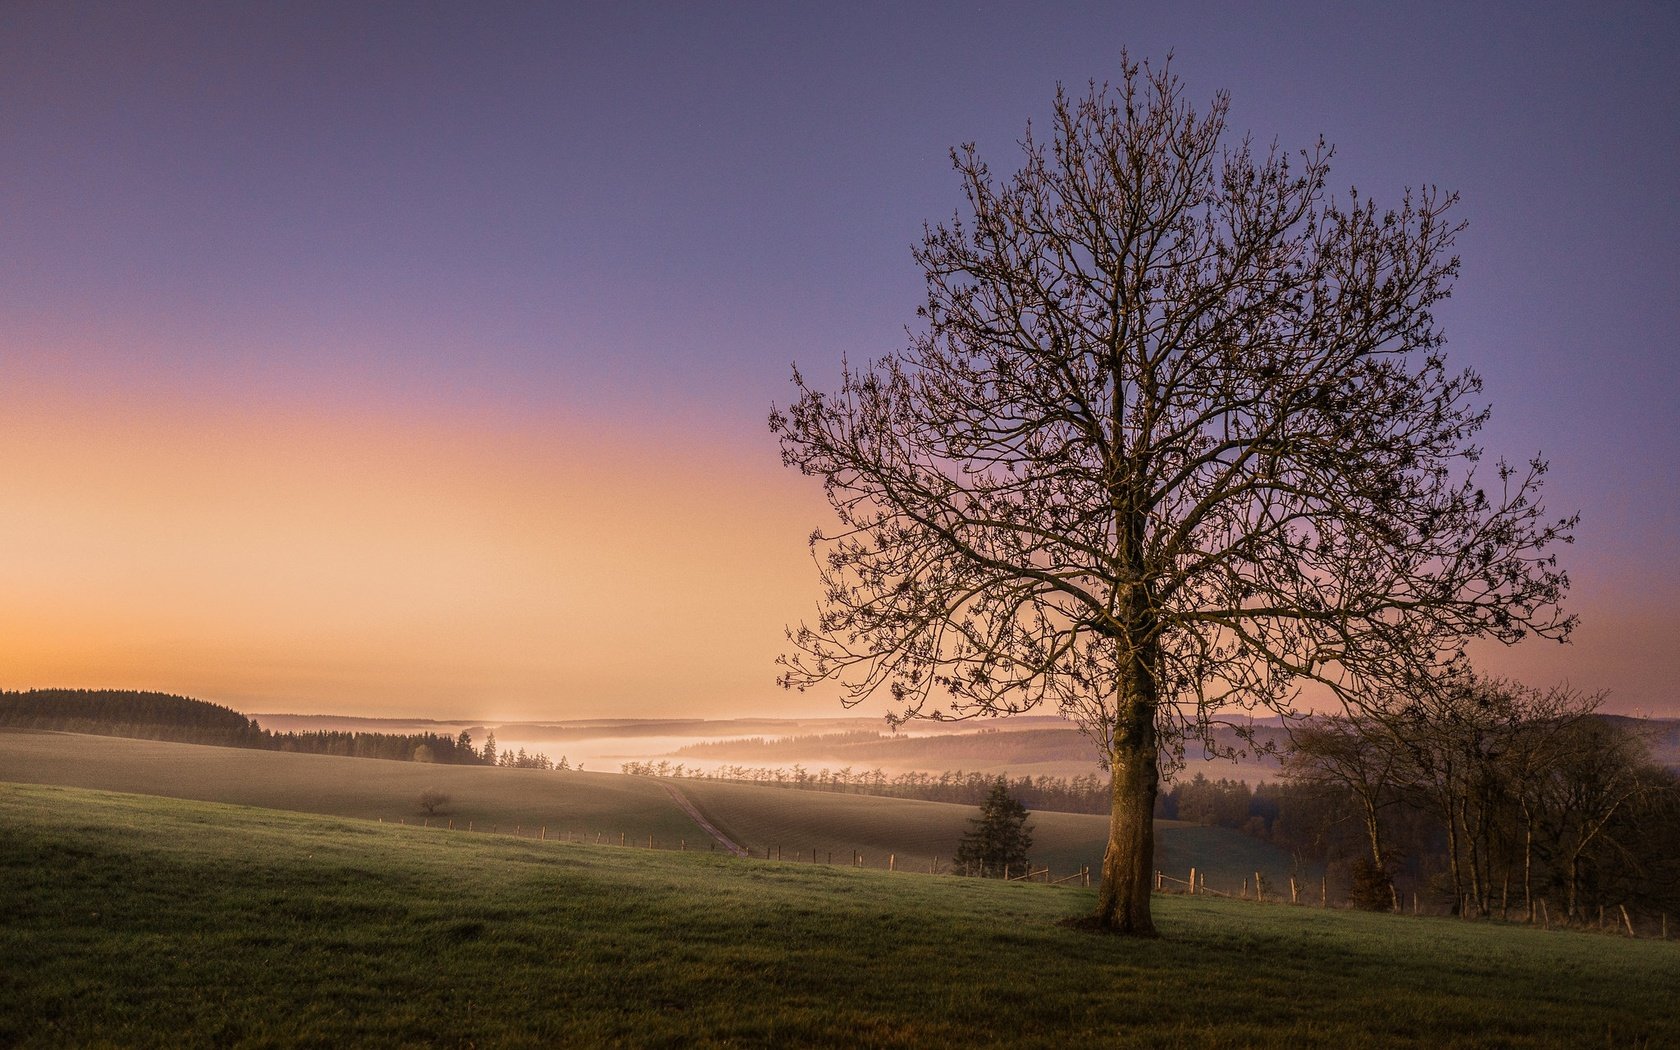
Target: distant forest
[163, 716]
[1063, 744]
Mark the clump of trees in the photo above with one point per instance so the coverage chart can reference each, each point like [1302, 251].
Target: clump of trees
[998, 840]
[1177, 434]
[1491, 797]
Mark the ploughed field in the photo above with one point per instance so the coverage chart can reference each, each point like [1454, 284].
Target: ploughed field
[606, 807]
[134, 920]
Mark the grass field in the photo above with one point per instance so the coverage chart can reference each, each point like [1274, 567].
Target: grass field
[142, 921]
[595, 804]
[919, 833]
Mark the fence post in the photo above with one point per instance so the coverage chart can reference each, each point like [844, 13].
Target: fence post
[1259, 893]
[451, 823]
[1324, 891]
[1625, 920]
[778, 853]
[891, 858]
[650, 841]
[1157, 880]
[1545, 915]
[1192, 882]
[1293, 899]
[1245, 888]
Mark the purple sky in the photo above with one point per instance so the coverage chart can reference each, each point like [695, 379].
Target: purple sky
[627, 220]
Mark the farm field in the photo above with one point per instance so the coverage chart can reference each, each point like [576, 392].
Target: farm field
[599, 804]
[144, 921]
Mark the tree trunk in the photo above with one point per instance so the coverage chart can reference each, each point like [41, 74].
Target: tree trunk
[1373, 831]
[1474, 859]
[1528, 864]
[1123, 899]
[1452, 862]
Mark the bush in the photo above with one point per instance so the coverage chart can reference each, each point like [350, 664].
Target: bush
[431, 800]
[1372, 889]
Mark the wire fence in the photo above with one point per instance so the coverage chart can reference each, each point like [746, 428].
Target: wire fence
[1258, 888]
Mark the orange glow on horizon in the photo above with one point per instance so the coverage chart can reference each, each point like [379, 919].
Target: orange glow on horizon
[285, 559]
[279, 558]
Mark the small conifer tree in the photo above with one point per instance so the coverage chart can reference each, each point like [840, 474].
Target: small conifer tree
[997, 844]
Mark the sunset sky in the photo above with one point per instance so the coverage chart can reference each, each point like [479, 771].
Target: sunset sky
[414, 359]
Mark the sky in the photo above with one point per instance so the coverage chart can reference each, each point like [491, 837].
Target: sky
[414, 359]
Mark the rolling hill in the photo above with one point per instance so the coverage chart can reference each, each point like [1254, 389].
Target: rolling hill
[141, 921]
[595, 806]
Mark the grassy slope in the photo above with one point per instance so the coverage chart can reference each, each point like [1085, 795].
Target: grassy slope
[349, 787]
[599, 803]
[920, 832]
[145, 921]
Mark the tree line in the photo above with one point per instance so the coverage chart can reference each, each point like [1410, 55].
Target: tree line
[165, 716]
[1087, 793]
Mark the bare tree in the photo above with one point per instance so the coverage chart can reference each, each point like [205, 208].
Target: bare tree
[1357, 755]
[1177, 435]
[1599, 773]
[1481, 753]
[1551, 725]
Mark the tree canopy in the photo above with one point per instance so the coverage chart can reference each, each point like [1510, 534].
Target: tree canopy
[1176, 434]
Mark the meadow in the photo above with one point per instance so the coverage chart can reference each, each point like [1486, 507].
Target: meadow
[145, 921]
[594, 805]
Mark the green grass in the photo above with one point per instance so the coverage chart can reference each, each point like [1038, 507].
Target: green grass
[602, 804]
[141, 921]
[920, 833]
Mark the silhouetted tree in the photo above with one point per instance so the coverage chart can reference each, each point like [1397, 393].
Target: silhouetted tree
[1358, 756]
[998, 840]
[1178, 434]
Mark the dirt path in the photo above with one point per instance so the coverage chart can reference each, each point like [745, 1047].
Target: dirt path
[688, 807]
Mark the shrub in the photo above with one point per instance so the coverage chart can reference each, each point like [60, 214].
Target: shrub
[431, 800]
